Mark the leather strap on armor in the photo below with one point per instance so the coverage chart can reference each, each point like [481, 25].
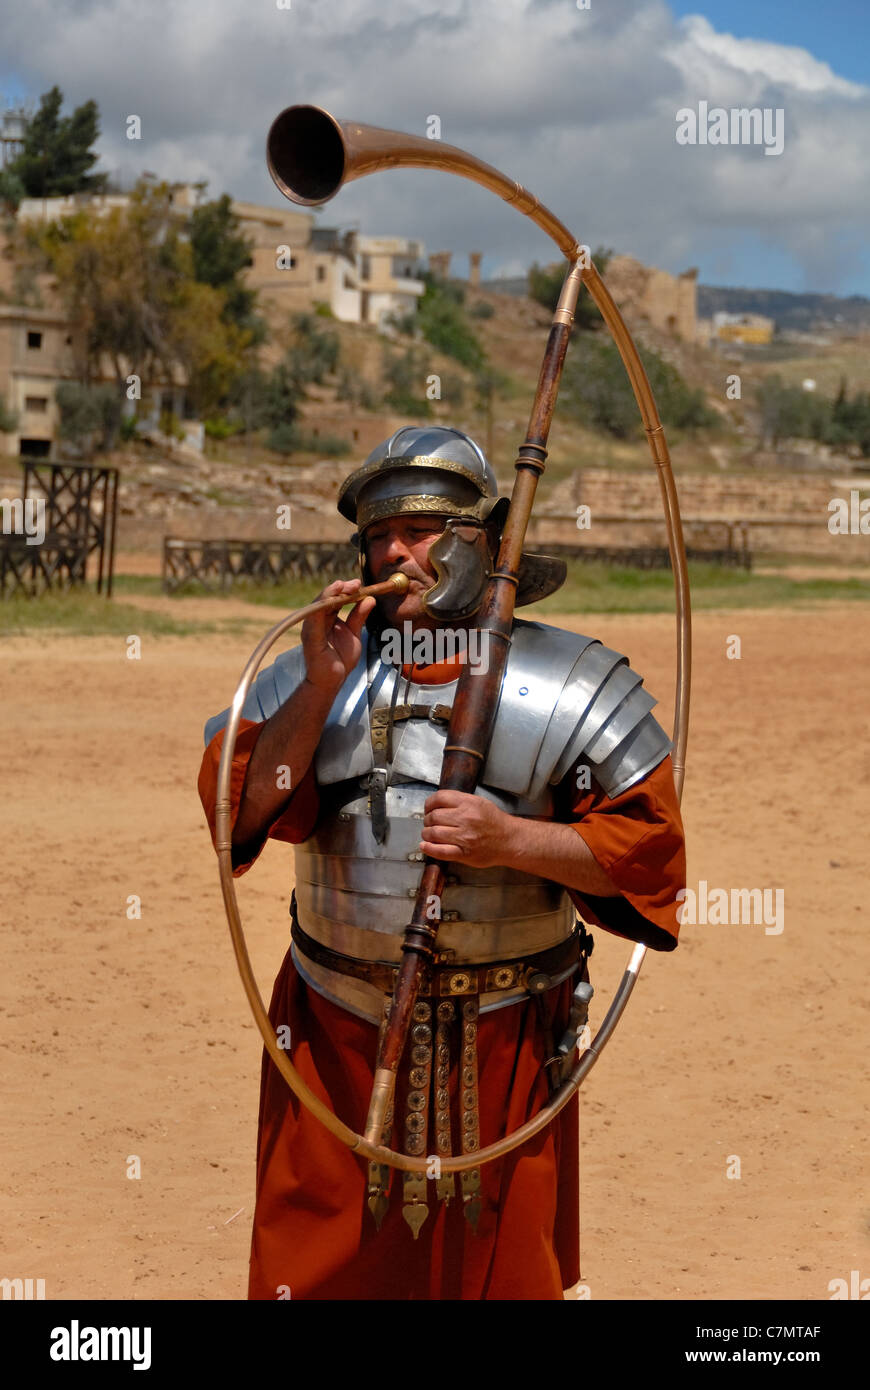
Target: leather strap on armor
[532, 972]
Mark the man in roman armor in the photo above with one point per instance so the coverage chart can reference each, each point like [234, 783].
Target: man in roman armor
[575, 813]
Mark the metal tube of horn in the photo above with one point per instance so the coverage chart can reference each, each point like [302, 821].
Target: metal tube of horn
[311, 155]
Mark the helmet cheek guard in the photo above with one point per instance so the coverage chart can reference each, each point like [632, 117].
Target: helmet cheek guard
[441, 471]
[462, 561]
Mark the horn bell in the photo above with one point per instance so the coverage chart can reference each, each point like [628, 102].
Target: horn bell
[305, 154]
[310, 154]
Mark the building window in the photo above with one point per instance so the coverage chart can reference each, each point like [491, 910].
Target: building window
[36, 403]
[366, 271]
[34, 340]
[34, 448]
[321, 272]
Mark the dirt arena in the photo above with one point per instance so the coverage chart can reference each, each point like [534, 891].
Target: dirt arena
[132, 1037]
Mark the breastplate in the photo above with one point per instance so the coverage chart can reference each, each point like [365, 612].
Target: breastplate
[355, 895]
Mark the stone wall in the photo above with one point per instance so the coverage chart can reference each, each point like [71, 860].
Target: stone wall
[771, 512]
[668, 301]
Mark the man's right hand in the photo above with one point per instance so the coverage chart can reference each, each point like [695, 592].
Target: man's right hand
[330, 645]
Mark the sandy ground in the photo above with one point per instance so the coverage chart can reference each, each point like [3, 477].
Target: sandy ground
[130, 1038]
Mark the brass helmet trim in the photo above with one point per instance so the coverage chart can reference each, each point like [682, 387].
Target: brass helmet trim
[350, 489]
[413, 502]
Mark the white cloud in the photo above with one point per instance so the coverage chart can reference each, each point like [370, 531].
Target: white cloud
[578, 105]
[767, 63]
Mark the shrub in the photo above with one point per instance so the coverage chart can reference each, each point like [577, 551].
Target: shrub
[406, 374]
[290, 439]
[444, 323]
[315, 353]
[221, 427]
[789, 412]
[90, 416]
[170, 425]
[596, 389]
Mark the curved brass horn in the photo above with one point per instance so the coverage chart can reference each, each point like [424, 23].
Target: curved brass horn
[310, 156]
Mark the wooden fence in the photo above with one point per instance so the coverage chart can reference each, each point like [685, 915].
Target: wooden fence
[219, 565]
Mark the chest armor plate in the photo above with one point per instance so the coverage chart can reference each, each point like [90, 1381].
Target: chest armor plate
[355, 895]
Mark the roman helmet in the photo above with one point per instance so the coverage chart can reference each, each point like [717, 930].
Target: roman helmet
[436, 470]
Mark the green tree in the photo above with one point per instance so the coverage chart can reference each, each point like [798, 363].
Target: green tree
[12, 190]
[789, 412]
[221, 253]
[314, 354]
[848, 421]
[596, 389]
[127, 278]
[57, 158]
[90, 416]
[444, 323]
[406, 372]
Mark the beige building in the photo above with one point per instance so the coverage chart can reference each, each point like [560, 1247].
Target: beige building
[183, 196]
[283, 268]
[36, 352]
[295, 266]
[742, 328]
[295, 263]
[390, 277]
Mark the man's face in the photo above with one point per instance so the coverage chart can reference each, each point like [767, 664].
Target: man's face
[400, 544]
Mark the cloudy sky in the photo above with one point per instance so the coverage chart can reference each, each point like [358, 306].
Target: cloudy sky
[579, 105]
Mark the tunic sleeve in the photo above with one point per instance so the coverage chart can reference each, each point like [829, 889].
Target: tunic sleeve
[295, 822]
[637, 839]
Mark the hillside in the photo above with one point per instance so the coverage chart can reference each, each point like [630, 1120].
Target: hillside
[792, 313]
[234, 488]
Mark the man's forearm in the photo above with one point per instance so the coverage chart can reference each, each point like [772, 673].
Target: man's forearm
[288, 740]
[556, 852]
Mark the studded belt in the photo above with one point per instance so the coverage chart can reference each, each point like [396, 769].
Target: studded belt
[534, 973]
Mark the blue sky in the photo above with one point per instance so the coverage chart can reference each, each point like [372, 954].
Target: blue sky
[578, 105]
[837, 31]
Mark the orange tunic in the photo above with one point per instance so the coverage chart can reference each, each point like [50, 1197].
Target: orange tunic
[312, 1232]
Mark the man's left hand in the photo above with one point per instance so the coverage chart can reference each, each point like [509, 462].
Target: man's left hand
[466, 829]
